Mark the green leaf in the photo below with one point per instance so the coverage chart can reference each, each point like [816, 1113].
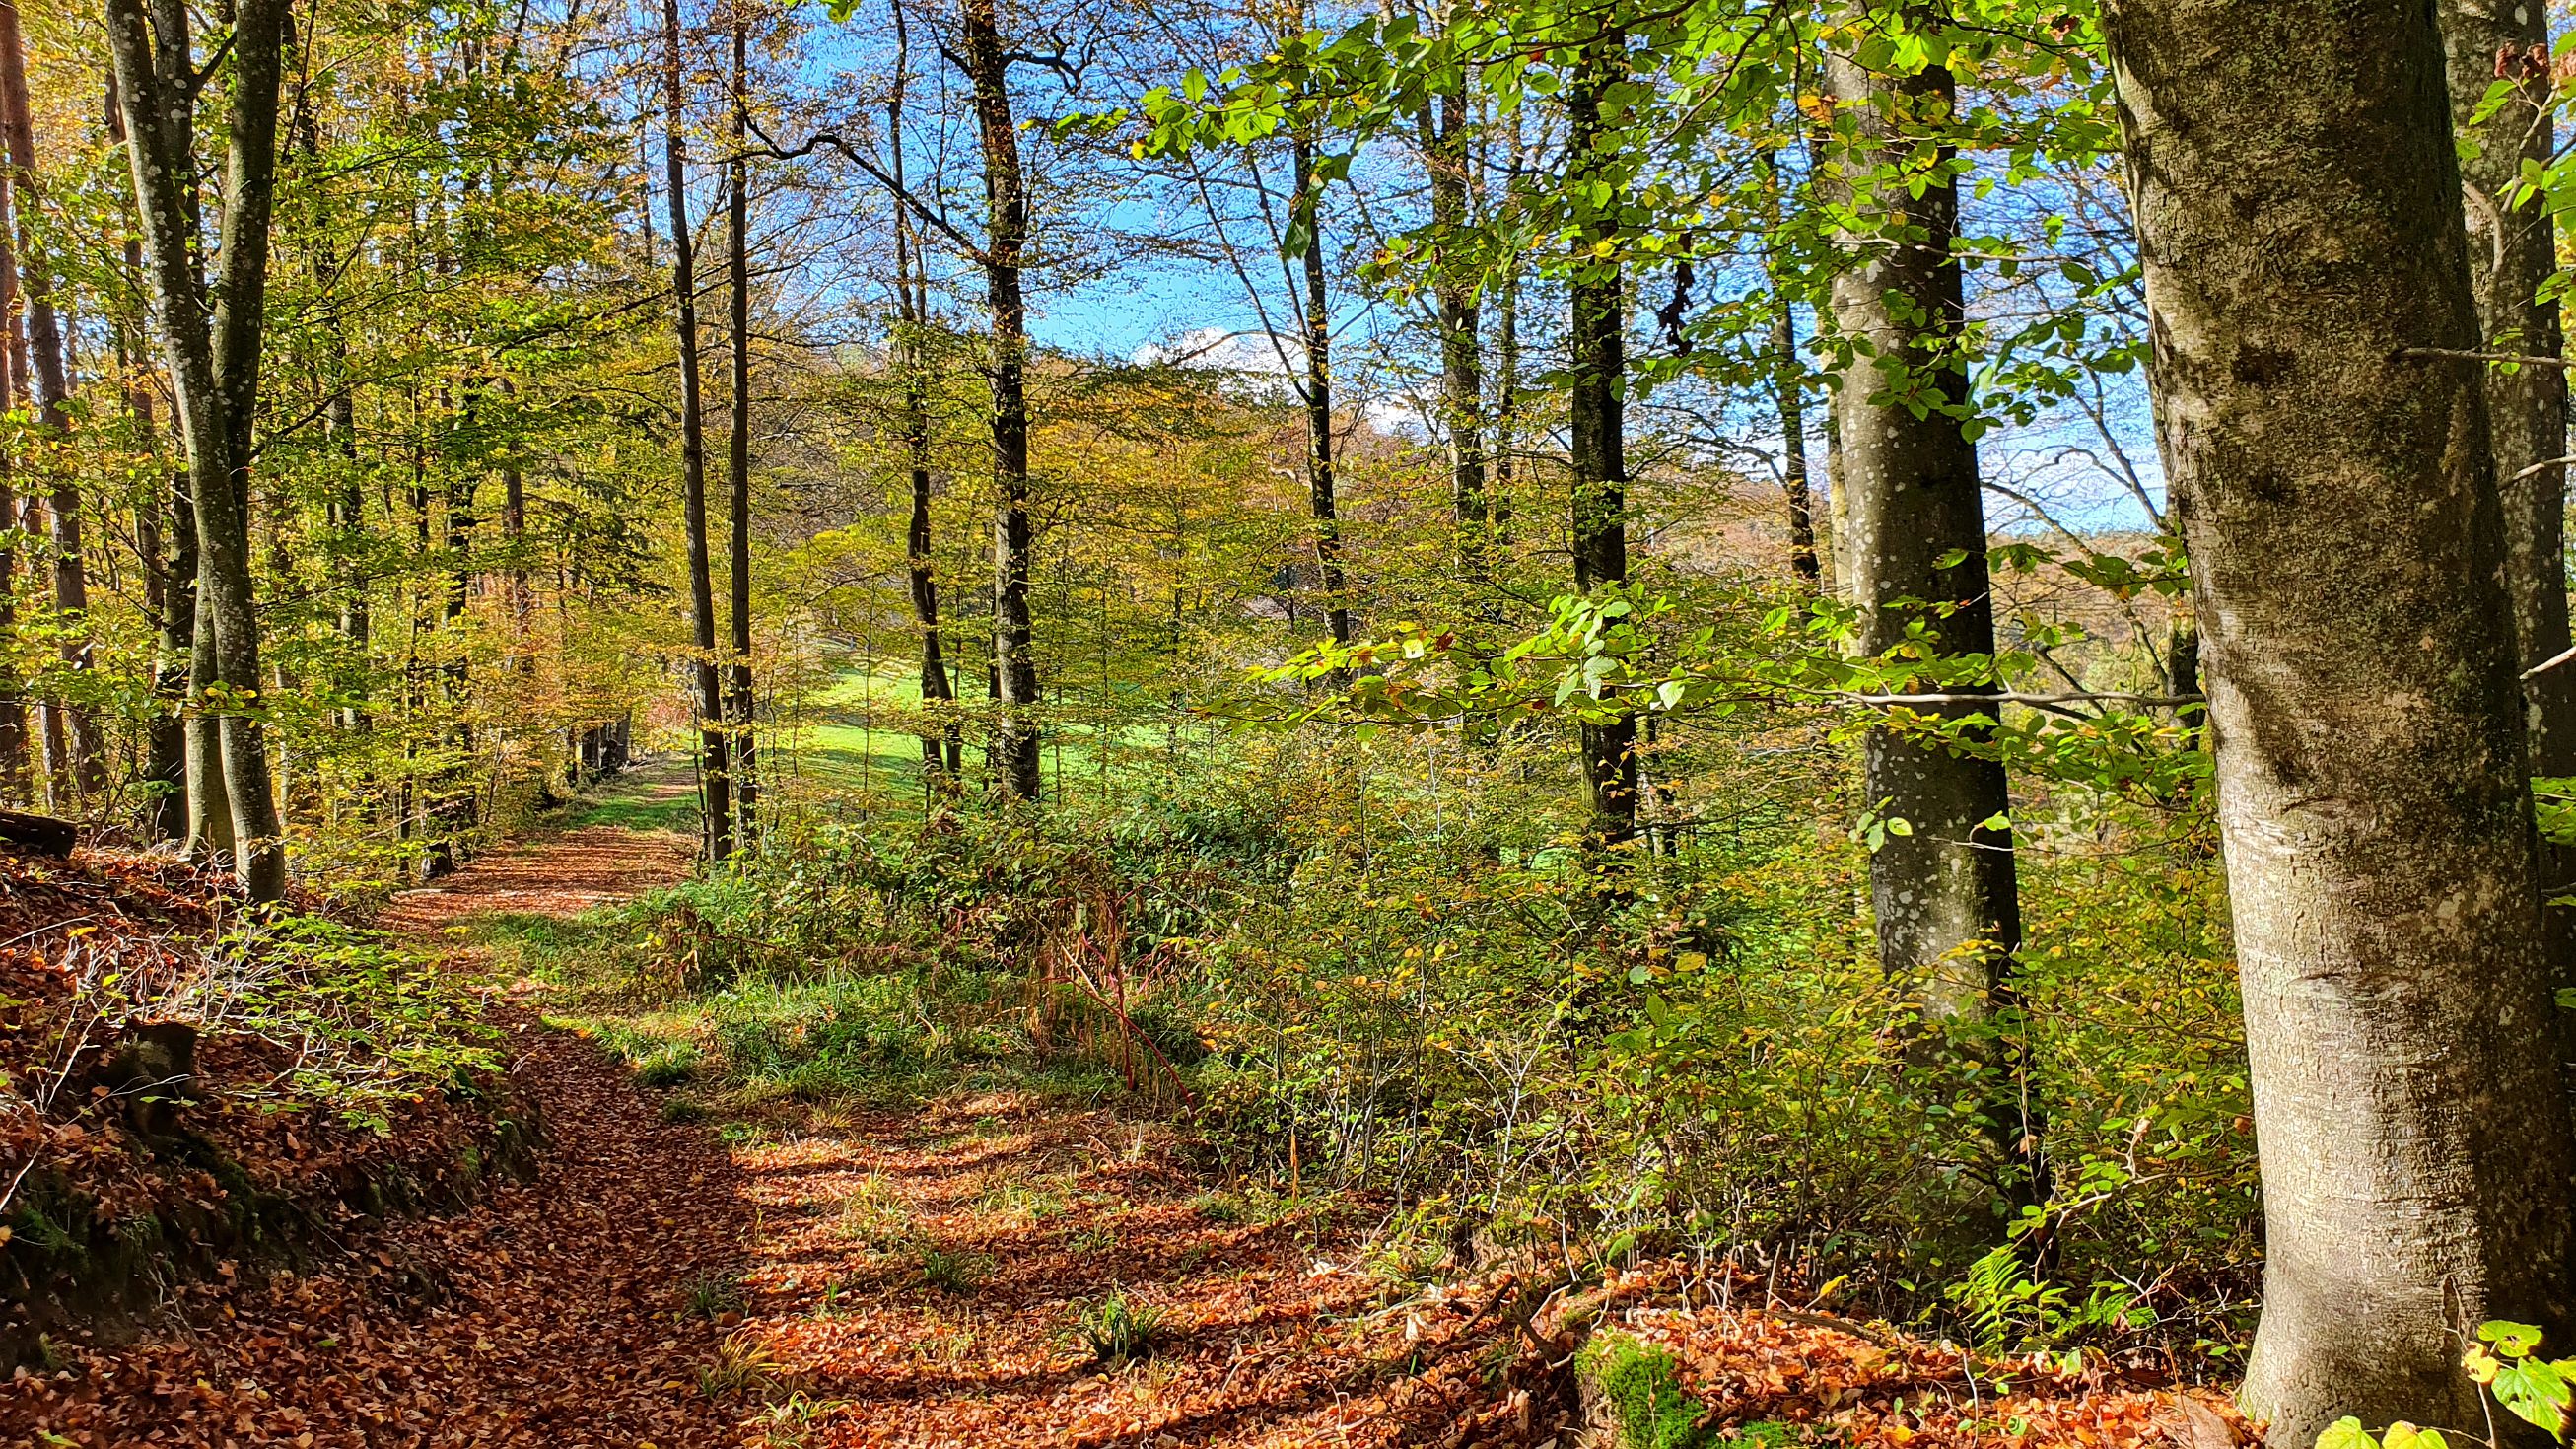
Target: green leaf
[2346, 1433]
[2513, 1340]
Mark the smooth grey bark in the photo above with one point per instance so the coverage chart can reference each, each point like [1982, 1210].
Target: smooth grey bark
[211, 338]
[2511, 251]
[1944, 896]
[739, 705]
[1014, 752]
[85, 768]
[713, 776]
[1597, 428]
[2296, 194]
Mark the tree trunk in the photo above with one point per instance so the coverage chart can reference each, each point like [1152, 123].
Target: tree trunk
[1462, 380]
[708, 701]
[86, 767]
[2348, 551]
[348, 511]
[738, 694]
[214, 361]
[1944, 894]
[2512, 252]
[1305, 220]
[208, 814]
[1789, 397]
[169, 572]
[1507, 355]
[941, 755]
[1015, 751]
[14, 758]
[167, 752]
[1597, 425]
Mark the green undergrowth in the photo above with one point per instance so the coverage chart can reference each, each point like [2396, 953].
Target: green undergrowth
[1432, 991]
[769, 1036]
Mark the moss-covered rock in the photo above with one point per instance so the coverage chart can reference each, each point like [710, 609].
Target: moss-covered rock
[1633, 1396]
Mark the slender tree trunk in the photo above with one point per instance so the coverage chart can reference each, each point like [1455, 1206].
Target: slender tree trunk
[84, 767]
[2348, 549]
[1789, 396]
[167, 765]
[1505, 445]
[208, 814]
[340, 417]
[738, 694]
[1015, 753]
[2512, 252]
[14, 759]
[213, 355]
[460, 793]
[169, 572]
[1462, 380]
[1306, 220]
[1597, 340]
[708, 702]
[1945, 895]
[941, 755]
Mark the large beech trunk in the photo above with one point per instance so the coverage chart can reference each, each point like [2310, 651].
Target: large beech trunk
[211, 338]
[1943, 895]
[2296, 198]
[707, 698]
[1014, 752]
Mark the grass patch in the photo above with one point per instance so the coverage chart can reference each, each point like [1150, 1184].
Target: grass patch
[710, 1296]
[1118, 1330]
[954, 1272]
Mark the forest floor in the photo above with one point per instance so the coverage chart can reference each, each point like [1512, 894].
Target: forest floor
[868, 1277]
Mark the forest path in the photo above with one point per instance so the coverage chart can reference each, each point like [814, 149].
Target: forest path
[833, 1277]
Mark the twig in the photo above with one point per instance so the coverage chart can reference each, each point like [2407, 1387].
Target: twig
[2552, 662]
[2075, 697]
[1861, 1331]
[2525, 358]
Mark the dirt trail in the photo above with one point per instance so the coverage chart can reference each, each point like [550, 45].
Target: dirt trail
[836, 1278]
